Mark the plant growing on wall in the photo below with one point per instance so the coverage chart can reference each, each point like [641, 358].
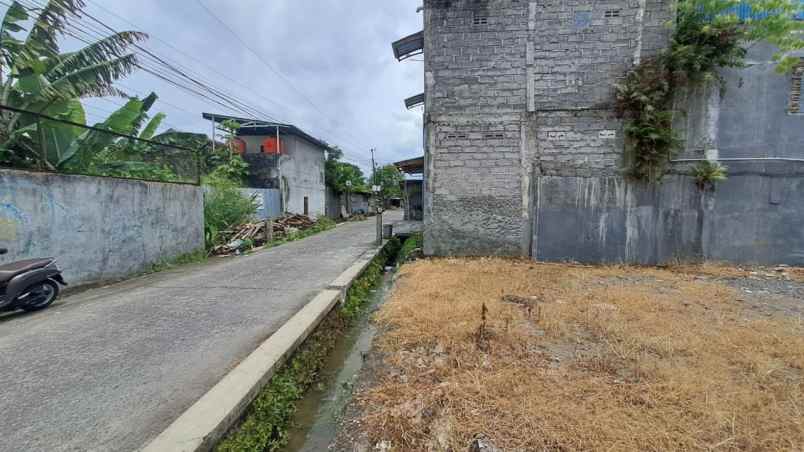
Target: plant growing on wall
[708, 35]
[707, 174]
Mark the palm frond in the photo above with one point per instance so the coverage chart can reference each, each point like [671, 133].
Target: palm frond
[9, 45]
[96, 80]
[103, 51]
[153, 124]
[51, 22]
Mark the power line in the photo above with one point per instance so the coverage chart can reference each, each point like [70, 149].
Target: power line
[263, 61]
[152, 62]
[250, 111]
[255, 53]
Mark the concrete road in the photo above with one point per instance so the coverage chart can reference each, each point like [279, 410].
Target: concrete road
[110, 368]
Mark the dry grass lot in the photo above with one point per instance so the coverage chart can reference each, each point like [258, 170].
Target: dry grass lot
[586, 358]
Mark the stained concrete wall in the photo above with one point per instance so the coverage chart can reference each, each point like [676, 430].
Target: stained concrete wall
[523, 90]
[748, 118]
[302, 168]
[337, 204]
[303, 176]
[100, 229]
[515, 85]
[753, 217]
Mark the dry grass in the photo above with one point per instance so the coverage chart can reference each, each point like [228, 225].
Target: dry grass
[724, 270]
[613, 359]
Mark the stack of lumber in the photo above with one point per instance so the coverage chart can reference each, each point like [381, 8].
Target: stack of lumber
[254, 233]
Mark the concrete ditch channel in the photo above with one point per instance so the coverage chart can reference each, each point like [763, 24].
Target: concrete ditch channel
[206, 422]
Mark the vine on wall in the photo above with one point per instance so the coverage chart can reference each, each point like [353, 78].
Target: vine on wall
[707, 35]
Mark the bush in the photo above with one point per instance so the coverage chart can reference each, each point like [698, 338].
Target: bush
[224, 208]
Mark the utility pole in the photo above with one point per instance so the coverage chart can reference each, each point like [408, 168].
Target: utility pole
[373, 169]
[375, 188]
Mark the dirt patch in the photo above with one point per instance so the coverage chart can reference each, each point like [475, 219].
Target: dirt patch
[533, 357]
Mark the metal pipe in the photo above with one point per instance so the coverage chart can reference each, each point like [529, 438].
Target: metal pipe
[741, 159]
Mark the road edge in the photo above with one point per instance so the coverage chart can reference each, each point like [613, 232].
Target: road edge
[201, 426]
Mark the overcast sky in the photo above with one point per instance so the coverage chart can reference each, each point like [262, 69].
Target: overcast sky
[336, 52]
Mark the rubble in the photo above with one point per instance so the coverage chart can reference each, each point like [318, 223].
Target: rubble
[254, 234]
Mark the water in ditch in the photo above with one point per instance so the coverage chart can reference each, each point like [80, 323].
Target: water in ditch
[317, 414]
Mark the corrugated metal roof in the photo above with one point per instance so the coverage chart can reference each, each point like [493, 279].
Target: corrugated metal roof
[256, 127]
[415, 101]
[744, 12]
[409, 46]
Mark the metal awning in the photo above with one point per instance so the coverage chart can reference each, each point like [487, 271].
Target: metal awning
[409, 46]
[411, 166]
[415, 101]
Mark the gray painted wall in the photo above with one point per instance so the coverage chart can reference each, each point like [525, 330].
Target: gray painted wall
[100, 229]
[336, 203]
[302, 168]
[303, 176]
[754, 217]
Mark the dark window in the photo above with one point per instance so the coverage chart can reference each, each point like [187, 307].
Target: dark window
[613, 13]
[480, 20]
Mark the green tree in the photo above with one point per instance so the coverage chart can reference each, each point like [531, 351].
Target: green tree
[41, 79]
[338, 173]
[389, 178]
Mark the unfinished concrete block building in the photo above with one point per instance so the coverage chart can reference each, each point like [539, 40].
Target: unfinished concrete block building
[521, 88]
[524, 151]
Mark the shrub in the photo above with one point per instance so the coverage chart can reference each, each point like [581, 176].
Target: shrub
[224, 208]
[707, 36]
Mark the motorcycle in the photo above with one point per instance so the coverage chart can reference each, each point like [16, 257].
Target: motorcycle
[30, 285]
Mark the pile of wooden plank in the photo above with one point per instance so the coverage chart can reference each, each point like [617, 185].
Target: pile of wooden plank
[253, 234]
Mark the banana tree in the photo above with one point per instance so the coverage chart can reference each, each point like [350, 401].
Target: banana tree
[35, 76]
[103, 151]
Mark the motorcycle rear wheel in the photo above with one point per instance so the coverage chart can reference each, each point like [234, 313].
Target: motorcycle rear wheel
[38, 296]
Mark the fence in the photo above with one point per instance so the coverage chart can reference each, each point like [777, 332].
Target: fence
[269, 202]
[43, 143]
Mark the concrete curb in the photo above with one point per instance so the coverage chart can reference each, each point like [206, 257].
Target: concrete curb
[207, 420]
[344, 282]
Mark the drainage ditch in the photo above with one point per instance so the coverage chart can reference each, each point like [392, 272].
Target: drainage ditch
[298, 409]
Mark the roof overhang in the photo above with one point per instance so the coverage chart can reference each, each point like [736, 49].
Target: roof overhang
[415, 101]
[409, 46]
[411, 166]
[256, 127]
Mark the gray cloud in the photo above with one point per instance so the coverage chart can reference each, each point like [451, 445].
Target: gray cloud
[337, 52]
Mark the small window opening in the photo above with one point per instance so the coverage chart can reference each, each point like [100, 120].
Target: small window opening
[494, 135]
[795, 89]
[613, 13]
[480, 20]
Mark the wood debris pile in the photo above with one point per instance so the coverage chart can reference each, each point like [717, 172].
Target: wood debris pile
[253, 234]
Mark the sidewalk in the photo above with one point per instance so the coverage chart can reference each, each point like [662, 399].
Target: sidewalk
[110, 368]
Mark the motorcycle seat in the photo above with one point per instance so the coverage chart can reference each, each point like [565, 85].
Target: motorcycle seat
[9, 271]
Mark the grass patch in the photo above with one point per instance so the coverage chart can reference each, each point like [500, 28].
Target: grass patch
[413, 243]
[561, 357]
[198, 256]
[266, 423]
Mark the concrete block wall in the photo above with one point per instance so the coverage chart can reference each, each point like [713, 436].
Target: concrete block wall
[99, 229]
[516, 88]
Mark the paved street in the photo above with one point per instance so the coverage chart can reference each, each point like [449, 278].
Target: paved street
[110, 368]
